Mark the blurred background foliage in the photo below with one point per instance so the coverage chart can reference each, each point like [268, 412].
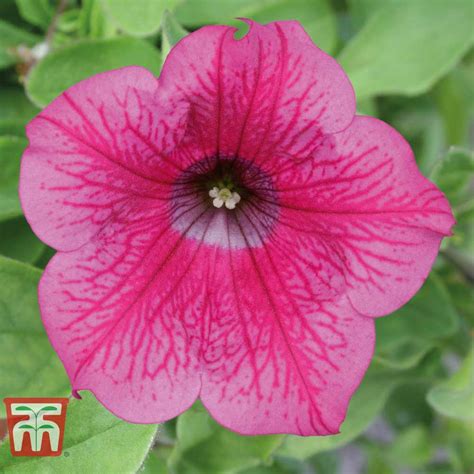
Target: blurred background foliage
[412, 65]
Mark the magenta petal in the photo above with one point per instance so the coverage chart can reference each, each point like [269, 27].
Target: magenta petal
[362, 192]
[124, 312]
[280, 358]
[273, 89]
[93, 150]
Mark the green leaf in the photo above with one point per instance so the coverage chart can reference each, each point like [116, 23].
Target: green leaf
[28, 365]
[36, 12]
[367, 402]
[18, 241]
[376, 464]
[171, 33]
[454, 174]
[137, 18]
[316, 16]
[15, 111]
[405, 336]
[406, 47]
[26, 427]
[10, 38]
[94, 441]
[454, 96]
[412, 448]
[23, 408]
[92, 21]
[407, 403]
[204, 446]
[294, 466]
[455, 397]
[458, 436]
[153, 464]
[45, 427]
[11, 149]
[362, 10]
[69, 65]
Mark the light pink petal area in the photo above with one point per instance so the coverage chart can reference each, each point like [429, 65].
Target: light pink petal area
[93, 150]
[364, 194]
[124, 314]
[272, 89]
[279, 357]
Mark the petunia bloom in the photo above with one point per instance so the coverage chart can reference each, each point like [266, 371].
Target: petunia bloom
[226, 231]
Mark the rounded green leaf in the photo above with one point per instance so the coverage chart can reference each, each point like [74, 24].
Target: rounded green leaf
[69, 65]
[407, 46]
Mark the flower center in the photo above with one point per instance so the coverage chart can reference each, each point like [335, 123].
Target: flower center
[205, 192]
[223, 196]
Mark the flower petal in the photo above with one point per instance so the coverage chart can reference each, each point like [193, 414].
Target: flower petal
[123, 313]
[362, 192]
[272, 89]
[93, 150]
[280, 358]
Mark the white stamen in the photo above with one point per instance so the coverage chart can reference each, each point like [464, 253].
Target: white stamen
[224, 196]
[236, 197]
[218, 202]
[214, 192]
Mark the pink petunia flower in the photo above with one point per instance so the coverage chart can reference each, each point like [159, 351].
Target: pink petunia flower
[227, 231]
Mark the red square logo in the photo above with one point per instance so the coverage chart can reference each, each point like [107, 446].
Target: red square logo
[36, 425]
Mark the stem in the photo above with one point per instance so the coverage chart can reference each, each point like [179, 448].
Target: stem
[52, 26]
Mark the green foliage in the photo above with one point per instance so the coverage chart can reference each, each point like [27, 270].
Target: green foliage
[11, 149]
[10, 38]
[15, 111]
[204, 446]
[95, 441]
[405, 336]
[69, 65]
[455, 397]
[28, 365]
[137, 18]
[37, 12]
[315, 15]
[18, 241]
[412, 64]
[412, 448]
[454, 174]
[405, 49]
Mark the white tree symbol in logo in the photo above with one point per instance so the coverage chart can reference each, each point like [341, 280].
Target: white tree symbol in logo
[36, 426]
